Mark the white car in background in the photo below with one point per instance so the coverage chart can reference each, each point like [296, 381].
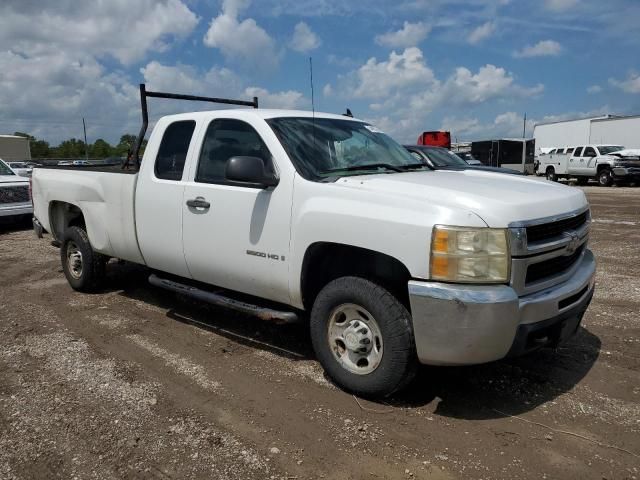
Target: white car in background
[21, 168]
[15, 198]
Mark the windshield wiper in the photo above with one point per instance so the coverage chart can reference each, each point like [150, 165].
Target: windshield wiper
[415, 166]
[368, 166]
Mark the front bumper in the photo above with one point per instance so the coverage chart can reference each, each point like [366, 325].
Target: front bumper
[626, 173]
[470, 324]
[10, 210]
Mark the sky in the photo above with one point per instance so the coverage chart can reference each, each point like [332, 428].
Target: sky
[473, 67]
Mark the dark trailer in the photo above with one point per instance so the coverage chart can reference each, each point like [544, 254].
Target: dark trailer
[515, 153]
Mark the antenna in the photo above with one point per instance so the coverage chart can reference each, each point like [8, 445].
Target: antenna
[313, 106]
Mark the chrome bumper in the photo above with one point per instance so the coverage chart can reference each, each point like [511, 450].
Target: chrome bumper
[10, 210]
[466, 324]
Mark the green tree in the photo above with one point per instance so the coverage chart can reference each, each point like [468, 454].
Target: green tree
[100, 149]
[72, 148]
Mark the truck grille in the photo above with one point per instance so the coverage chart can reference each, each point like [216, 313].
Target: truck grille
[14, 194]
[552, 267]
[546, 231]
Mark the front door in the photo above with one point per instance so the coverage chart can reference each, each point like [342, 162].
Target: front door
[236, 236]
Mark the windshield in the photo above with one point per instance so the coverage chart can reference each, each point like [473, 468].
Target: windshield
[4, 169]
[444, 158]
[609, 148]
[327, 147]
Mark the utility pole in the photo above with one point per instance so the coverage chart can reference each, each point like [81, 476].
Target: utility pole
[86, 147]
[524, 125]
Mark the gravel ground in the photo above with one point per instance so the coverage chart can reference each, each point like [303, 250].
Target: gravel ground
[136, 383]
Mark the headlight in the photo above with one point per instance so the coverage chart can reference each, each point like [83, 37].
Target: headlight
[469, 255]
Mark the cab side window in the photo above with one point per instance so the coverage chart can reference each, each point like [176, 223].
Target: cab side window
[578, 152]
[226, 138]
[173, 150]
[589, 152]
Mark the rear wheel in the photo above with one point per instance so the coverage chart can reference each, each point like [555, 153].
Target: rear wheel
[551, 174]
[362, 336]
[605, 179]
[84, 268]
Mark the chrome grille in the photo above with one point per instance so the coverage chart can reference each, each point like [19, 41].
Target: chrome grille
[14, 194]
[546, 251]
[546, 231]
[554, 266]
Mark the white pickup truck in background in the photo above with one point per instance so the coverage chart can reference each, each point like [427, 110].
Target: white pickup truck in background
[293, 215]
[15, 200]
[608, 164]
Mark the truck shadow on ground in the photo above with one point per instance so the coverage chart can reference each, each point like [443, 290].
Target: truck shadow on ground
[495, 390]
[11, 224]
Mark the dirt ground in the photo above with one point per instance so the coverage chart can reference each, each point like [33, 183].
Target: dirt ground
[138, 383]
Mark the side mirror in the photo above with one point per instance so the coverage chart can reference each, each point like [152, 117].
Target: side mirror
[250, 170]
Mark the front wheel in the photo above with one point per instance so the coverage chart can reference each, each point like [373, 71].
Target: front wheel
[362, 336]
[84, 268]
[605, 179]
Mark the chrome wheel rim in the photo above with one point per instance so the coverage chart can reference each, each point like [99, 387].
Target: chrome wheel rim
[355, 339]
[74, 260]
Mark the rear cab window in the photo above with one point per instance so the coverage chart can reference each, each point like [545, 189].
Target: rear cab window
[578, 152]
[173, 149]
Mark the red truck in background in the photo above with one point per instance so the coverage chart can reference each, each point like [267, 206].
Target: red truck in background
[435, 139]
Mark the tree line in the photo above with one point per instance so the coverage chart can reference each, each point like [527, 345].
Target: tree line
[75, 148]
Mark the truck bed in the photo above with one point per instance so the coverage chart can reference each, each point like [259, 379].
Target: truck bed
[104, 195]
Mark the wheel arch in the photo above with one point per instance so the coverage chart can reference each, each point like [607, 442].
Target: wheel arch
[326, 261]
[63, 215]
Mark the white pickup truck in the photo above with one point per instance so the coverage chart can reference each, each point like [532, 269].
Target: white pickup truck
[320, 217]
[599, 162]
[15, 200]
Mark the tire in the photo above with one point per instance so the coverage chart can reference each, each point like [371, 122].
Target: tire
[551, 174]
[391, 347]
[84, 268]
[605, 179]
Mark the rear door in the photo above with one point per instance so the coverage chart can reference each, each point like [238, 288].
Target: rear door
[575, 162]
[239, 238]
[590, 154]
[159, 195]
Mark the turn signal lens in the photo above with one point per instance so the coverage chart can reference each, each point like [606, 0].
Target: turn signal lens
[470, 255]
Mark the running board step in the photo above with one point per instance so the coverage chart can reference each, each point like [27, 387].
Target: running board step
[215, 298]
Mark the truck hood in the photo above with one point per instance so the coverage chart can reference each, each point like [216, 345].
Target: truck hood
[496, 198]
[13, 179]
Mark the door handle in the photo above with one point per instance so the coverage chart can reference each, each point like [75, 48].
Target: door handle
[198, 202]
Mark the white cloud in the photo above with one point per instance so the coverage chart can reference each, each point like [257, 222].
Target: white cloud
[403, 89]
[304, 39]
[410, 35]
[290, 99]
[630, 85]
[121, 29]
[544, 48]
[593, 89]
[560, 5]
[327, 91]
[379, 79]
[482, 32]
[504, 125]
[241, 41]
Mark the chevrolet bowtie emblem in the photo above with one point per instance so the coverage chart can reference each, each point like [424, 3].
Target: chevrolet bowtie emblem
[574, 242]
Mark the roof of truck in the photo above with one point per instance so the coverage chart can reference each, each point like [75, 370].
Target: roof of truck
[263, 113]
